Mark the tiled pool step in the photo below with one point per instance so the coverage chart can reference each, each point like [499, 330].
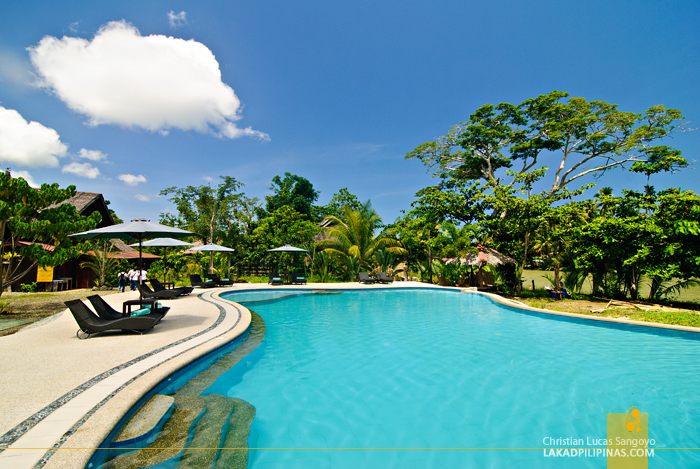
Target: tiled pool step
[206, 431]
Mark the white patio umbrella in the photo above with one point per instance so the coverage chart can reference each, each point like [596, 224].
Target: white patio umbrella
[213, 248]
[163, 243]
[287, 248]
[137, 229]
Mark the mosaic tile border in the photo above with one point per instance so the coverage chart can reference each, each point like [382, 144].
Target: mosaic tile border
[222, 315]
[20, 429]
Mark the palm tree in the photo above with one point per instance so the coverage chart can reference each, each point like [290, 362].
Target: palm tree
[353, 235]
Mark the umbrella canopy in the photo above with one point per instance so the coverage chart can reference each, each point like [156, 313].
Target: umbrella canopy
[137, 229]
[212, 247]
[287, 248]
[162, 243]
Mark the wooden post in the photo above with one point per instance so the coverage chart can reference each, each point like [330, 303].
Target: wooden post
[533, 285]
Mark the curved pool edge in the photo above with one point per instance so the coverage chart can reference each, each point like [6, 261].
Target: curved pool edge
[493, 296]
[78, 448]
[517, 304]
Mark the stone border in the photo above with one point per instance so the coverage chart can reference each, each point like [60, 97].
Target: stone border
[518, 304]
[156, 373]
[182, 359]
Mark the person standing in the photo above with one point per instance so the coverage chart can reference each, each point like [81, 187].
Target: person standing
[121, 276]
[132, 275]
[143, 274]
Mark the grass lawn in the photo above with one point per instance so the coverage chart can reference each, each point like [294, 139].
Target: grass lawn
[25, 308]
[692, 294]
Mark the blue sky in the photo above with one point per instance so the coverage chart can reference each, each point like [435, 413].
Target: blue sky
[337, 92]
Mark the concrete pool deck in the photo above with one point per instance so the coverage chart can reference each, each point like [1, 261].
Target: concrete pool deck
[61, 396]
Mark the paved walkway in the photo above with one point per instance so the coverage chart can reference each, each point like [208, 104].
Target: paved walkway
[54, 387]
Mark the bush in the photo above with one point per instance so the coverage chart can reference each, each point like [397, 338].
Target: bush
[28, 287]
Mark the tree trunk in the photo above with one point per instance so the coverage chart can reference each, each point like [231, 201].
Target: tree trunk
[2, 256]
[557, 282]
[519, 285]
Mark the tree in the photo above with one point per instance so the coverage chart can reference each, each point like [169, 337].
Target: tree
[102, 263]
[582, 137]
[283, 226]
[292, 191]
[354, 235]
[341, 199]
[31, 221]
[205, 210]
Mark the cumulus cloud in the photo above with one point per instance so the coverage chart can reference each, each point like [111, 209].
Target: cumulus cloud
[27, 177]
[142, 198]
[152, 82]
[28, 143]
[177, 19]
[94, 155]
[130, 179]
[85, 170]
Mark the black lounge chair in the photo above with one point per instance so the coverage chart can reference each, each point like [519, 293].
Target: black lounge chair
[384, 278]
[196, 281]
[274, 279]
[157, 286]
[146, 292]
[90, 324]
[297, 279]
[365, 278]
[105, 311]
[218, 281]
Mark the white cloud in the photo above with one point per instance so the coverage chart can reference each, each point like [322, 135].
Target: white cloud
[85, 170]
[207, 178]
[177, 19]
[142, 198]
[130, 179]
[26, 176]
[94, 155]
[152, 82]
[28, 143]
[74, 26]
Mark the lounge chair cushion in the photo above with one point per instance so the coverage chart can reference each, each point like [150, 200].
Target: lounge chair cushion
[141, 312]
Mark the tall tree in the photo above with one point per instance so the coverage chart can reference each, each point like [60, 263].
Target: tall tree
[579, 137]
[30, 221]
[341, 199]
[292, 191]
[354, 235]
[205, 210]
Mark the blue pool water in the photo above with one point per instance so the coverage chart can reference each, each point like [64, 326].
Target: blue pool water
[432, 369]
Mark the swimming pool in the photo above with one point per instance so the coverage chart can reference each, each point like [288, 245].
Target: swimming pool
[416, 374]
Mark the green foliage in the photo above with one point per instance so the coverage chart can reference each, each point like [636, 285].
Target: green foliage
[103, 265]
[354, 235]
[292, 191]
[582, 137]
[5, 307]
[341, 199]
[323, 266]
[32, 216]
[28, 287]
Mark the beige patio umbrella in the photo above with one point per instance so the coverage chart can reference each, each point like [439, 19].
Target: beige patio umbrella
[484, 256]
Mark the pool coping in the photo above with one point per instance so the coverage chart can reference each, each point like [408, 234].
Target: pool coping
[78, 424]
[80, 420]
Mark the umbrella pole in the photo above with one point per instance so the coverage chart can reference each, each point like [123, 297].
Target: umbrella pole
[140, 268]
[165, 261]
